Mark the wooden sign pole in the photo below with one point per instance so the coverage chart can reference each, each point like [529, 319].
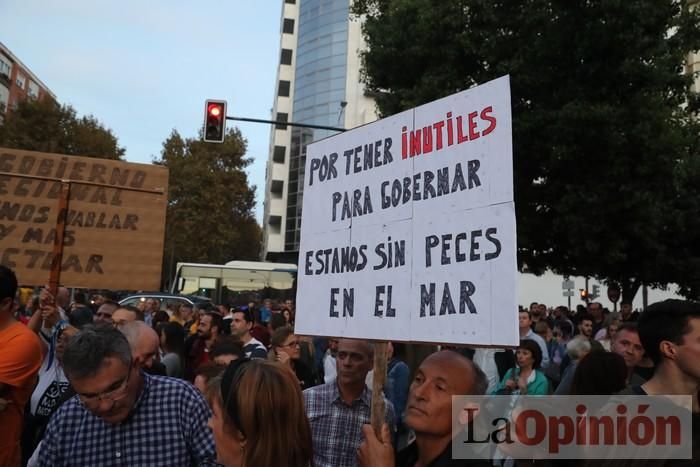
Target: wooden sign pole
[378, 382]
[57, 259]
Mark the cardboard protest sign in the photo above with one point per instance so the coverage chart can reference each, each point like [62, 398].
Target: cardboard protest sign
[408, 226]
[115, 220]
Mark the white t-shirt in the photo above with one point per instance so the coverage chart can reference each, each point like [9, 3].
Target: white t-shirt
[50, 388]
[254, 349]
[329, 368]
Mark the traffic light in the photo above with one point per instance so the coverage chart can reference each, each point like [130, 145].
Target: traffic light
[584, 294]
[214, 121]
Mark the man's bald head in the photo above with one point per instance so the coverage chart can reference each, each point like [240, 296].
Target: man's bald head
[442, 375]
[63, 297]
[126, 314]
[467, 379]
[143, 341]
[360, 345]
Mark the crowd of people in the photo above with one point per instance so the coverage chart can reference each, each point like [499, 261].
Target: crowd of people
[215, 385]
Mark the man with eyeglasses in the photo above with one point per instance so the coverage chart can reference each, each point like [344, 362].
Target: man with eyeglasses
[120, 415]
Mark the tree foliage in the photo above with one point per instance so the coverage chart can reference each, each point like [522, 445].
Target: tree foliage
[46, 126]
[605, 139]
[210, 203]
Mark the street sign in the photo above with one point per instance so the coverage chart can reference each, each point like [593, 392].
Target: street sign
[613, 293]
[567, 285]
[568, 293]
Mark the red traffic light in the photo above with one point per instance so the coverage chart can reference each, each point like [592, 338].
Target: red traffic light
[215, 121]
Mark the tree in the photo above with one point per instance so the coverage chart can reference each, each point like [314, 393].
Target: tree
[605, 139]
[210, 203]
[44, 125]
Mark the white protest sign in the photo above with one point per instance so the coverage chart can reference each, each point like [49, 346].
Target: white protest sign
[408, 226]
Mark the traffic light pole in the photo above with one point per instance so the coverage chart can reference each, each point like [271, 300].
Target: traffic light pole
[274, 122]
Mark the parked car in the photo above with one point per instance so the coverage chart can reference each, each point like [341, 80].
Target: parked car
[165, 299]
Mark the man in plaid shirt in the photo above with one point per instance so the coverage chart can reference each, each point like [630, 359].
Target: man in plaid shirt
[121, 416]
[338, 409]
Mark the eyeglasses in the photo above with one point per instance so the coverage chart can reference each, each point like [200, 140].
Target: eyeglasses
[113, 395]
[104, 315]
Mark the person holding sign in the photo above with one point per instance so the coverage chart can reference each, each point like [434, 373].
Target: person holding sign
[338, 409]
[429, 414]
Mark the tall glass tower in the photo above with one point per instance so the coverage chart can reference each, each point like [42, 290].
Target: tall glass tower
[318, 83]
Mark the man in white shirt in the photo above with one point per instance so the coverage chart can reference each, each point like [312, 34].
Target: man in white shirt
[241, 324]
[329, 365]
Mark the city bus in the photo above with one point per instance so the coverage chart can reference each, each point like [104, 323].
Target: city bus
[237, 282]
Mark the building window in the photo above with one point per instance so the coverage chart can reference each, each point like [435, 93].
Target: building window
[277, 188]
[292, 2]
[289, 240]
[281, 117]
[21, 80]
[283, 90]
[278, 154]
[33, 90]
[4, 98]
[5, 68]
[288, 26]
[275, 224]
[286, 57]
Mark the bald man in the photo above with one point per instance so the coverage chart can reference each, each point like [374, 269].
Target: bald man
[144, 344]
[338, 409]
[63, 298]
[126, 314]
[429, 414]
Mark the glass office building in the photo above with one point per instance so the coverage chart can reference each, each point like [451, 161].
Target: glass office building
[318, 83]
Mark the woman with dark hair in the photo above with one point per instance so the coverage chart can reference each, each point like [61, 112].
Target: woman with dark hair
[599, 374]
[285, 348]
[258, 417]
[172, 342]
[526, 378]
[159, 317]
